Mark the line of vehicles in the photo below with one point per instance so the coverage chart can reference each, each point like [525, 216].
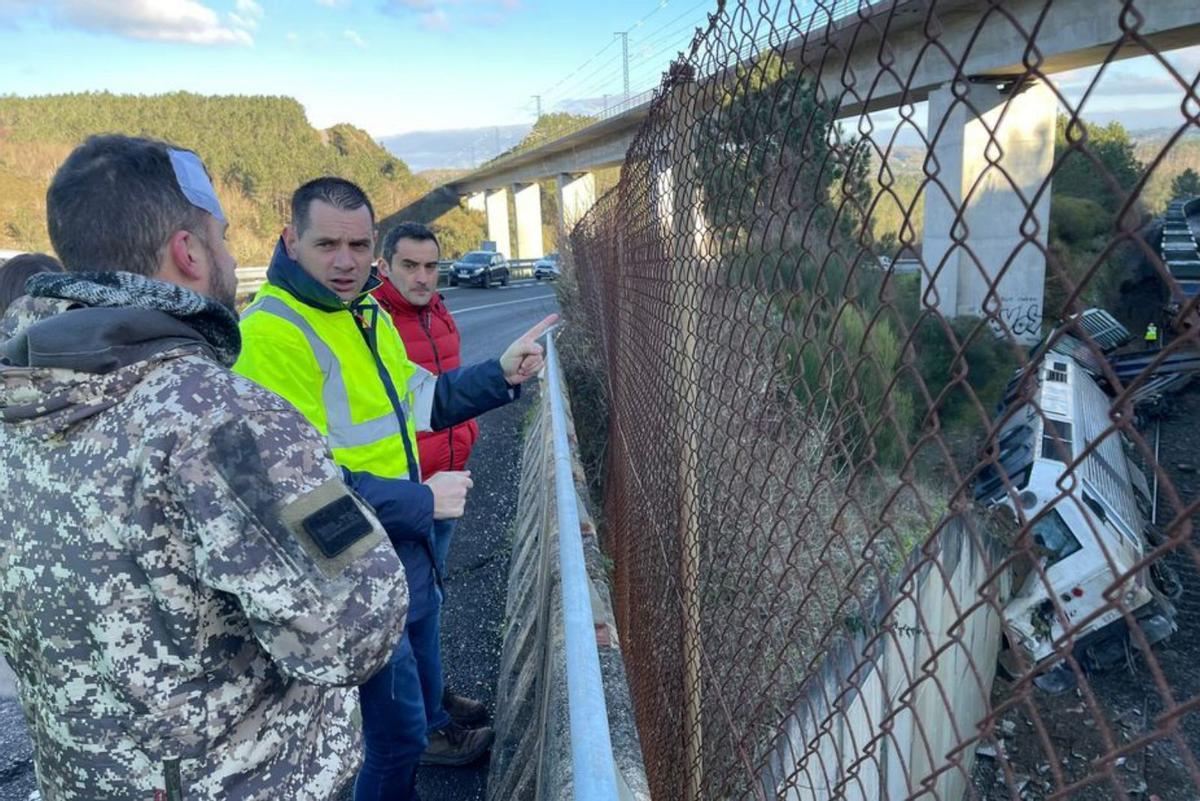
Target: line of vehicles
[487, 268]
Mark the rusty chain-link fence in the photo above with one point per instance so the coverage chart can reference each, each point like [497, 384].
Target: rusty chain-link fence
[898, 332]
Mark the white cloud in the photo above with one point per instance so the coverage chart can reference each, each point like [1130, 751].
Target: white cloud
[292, 37]
[186, 21]
[354, 38]
[247, 14]
[333, 3]
[442, 15]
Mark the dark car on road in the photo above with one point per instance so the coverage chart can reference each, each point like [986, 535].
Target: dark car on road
[546, 267]
[480, 268]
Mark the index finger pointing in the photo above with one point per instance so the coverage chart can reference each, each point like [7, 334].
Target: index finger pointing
[540, 328]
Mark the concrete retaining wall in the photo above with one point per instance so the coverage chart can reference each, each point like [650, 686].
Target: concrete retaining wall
[886, 716]
[532, 755]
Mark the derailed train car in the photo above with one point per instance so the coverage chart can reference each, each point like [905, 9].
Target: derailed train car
[1062, 469]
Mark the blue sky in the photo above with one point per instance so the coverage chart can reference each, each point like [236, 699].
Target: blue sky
[392, 66]
[388, 66]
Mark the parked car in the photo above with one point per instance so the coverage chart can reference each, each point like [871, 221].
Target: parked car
[480, 268]
[546, 267]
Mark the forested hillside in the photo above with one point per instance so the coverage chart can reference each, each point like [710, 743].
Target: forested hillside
[259, 149]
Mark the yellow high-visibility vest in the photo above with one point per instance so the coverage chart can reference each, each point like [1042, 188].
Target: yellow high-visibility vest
[320, 362]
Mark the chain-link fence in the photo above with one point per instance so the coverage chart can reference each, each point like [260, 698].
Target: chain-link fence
[901, 466]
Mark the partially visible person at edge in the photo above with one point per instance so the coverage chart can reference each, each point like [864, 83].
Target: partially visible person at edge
[314, 334]
[189, 589]
[19, 269]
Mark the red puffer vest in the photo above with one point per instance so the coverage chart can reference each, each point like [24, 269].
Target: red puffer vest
[432, 341]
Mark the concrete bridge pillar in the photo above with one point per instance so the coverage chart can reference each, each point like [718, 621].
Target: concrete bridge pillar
[528, 201]
[993, 152]
[496, 204]
[477, 201]
[576, 196]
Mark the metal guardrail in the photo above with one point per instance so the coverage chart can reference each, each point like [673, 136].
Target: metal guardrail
[250, 279]
[593, 768]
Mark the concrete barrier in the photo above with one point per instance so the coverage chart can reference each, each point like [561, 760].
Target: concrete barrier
[532, 755]
[903, 707]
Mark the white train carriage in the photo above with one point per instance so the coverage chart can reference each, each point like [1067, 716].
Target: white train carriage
[1069, 478]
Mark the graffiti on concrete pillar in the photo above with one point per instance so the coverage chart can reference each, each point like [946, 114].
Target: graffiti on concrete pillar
[1020, 318]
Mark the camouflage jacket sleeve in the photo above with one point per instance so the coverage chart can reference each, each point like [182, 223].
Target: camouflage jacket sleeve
[319, 582]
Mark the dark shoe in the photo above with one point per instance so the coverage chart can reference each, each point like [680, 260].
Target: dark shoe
[455, 746]
[464, 711]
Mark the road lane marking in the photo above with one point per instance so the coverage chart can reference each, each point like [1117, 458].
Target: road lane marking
[516, 283]
[457, 312]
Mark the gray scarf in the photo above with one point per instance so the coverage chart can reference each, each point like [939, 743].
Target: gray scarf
[217, 324]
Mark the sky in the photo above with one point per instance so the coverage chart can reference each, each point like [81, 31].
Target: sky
[388, 66]
[395, 66]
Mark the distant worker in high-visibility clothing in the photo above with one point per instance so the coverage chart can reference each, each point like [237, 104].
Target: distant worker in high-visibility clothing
[1151, 336]
[316, 336]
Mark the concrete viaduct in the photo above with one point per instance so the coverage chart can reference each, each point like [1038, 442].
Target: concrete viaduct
[990, 47]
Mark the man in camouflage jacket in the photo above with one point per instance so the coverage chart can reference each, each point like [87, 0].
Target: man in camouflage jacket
[189, 591]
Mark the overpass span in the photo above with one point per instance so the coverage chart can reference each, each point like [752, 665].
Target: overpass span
[892, 55]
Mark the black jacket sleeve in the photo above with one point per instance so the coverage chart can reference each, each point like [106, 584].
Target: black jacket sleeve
[469, 392]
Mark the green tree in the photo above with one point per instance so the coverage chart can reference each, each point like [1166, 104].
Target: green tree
[259, 149]
[787, 194]
[1096, 174]
[1186, 184]
[1095, 162]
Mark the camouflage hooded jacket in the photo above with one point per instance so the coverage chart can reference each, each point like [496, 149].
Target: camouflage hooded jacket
[189, 592]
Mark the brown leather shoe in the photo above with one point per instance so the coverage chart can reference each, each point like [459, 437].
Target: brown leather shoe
[464, 711]
[454, 746]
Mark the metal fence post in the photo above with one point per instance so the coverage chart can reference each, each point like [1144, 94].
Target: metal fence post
[689, 236]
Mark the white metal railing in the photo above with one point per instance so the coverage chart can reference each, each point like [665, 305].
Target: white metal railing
[593, 769]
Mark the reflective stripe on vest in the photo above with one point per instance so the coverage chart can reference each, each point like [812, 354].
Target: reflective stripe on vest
[343, 431]
[421, 385]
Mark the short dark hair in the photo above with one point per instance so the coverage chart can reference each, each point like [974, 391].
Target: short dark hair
[16, 271]
[408, 230]
[337, 192]
[115, 202]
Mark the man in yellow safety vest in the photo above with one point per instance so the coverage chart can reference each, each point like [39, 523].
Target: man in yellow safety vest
[316, 336]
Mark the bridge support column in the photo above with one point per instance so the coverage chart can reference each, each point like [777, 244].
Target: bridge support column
[528, 201]
[477, 201]
[993, 152]
[497, 219]
[576, 196]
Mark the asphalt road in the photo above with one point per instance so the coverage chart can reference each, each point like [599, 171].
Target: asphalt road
[477, 566]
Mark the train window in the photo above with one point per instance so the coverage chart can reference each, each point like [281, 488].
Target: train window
[1056, 440]
[1054, 538]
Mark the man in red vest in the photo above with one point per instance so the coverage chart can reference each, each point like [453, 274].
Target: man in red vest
[409, 294]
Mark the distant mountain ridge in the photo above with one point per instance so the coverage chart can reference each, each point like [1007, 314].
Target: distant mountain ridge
[454, 148]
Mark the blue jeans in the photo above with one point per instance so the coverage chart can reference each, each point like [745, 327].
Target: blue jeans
[442, 531]
[400, 705]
